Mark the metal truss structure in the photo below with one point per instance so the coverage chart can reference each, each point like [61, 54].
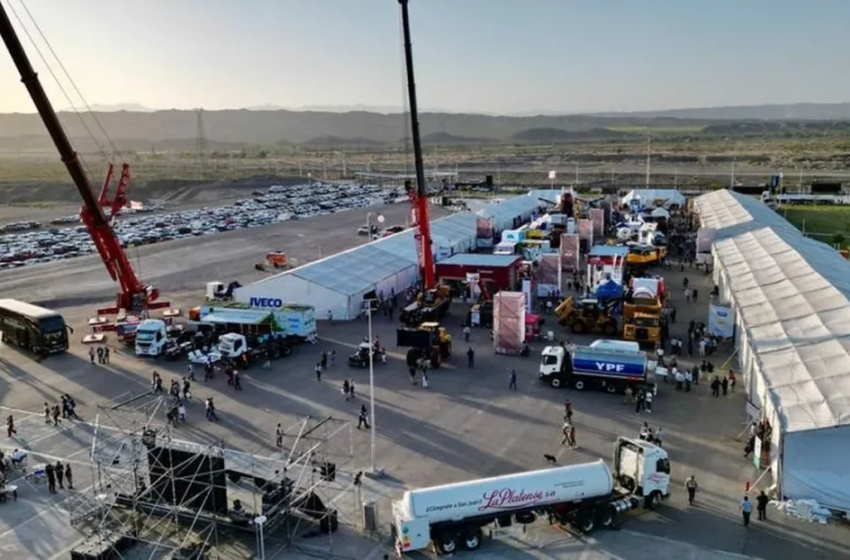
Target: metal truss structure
[155, 495]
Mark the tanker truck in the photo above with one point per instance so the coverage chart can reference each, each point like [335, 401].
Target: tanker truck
[585, 496]
[602, 366]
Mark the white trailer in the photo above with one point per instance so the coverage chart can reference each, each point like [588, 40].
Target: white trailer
[586, 495]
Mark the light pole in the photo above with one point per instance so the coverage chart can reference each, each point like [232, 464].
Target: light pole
[378, 217]
[374, 470]
[259, 522]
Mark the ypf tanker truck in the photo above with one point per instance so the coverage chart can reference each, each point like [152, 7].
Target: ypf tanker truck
[586, 496]
[604, 366]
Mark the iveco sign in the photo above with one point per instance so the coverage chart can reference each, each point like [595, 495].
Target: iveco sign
[266, 302]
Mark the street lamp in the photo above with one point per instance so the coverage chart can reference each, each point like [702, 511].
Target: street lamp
[375, 472]
[379, 217]
[259, 522]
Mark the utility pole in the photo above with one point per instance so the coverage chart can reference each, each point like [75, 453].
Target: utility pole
[732, 178]
[648, 153]
[200, 143]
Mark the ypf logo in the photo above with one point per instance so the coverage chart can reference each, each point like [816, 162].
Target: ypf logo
[605, 366]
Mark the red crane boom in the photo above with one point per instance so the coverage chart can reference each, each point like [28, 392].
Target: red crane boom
[134, 297]
[418, 196]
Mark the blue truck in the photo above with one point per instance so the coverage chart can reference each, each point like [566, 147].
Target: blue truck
[601, 367]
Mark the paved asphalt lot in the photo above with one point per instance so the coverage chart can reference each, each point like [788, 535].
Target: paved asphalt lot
[466, 424]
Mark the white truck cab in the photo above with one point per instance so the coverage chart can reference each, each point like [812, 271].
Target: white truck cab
[643, 468]
[151, 337]
[232, 345]
[552, 360]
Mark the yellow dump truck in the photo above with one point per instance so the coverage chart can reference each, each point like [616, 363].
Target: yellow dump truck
[586, 315]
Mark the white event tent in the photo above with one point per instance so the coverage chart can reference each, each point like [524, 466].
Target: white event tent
[339, 283]
[791, 300]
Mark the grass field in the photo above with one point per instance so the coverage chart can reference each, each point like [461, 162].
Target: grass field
[823, 223]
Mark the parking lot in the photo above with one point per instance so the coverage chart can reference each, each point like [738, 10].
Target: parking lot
[30, 242]
[466, 424]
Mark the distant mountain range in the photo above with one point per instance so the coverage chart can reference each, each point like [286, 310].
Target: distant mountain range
[134, 127]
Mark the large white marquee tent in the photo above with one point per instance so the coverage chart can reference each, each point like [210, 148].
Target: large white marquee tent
[792, 314]
[340, 282]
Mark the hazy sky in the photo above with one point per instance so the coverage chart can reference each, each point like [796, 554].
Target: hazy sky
[503, 56]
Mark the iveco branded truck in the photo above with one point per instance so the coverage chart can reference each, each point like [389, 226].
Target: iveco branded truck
[587, 496]
[601, 366]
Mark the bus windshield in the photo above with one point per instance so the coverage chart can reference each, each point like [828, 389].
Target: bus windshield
[52, 324]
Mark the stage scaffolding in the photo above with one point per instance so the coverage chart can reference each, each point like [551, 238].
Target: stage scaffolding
[156, 495]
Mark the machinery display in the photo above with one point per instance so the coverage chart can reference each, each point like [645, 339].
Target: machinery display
[360, 357]
[643, 311]
[429, 340]
[135, 297]
[608, 367]
[585, 495]
[433, 302]
[586, 315]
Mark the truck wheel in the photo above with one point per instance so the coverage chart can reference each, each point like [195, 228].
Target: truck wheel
[606, 517]
[578, 327]
[653, 500]
[611, 388]
[579, 385]
[447, 545]
[286, 350]
[472, 540]
[609, 329]
[555, 382]
[586, 523]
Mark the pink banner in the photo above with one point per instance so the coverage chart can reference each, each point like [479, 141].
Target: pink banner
[569, 251]
[597, 216]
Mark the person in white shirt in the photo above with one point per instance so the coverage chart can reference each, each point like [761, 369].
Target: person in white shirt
[648, 401]
[688, 380]
[680, 379]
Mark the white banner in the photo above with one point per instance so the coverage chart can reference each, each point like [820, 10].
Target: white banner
[721, 321]
[527, 290]
[552, 175]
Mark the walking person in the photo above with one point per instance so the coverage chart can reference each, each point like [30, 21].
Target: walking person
[424, 379]
[47, 413]
[69, 476]
[512, 384]
[209, 408]
[181, 411]
[237, 383]
[715, 387]
[470, 357]
[91, 354]
[565, 430]
[100, 354]
[323, 360]
[647, 401]
[51, 478]
[106, 355]
[278, 435]
[412, 375]
[363, 418]
[187, 389]
[56, 414]
[746, 510]
[692, 487]
[318, 371]
[346, 388]
[761, 505]
[351, 388]
[568, 411]
[724, 384]
[60, 474]
[659, 437]
[571, 436]
[640, 401]
[190, 371]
